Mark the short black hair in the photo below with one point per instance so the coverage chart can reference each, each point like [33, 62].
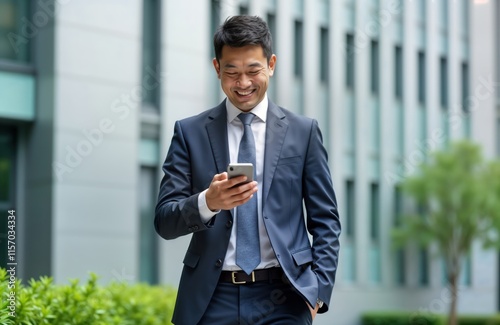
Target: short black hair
[242, 30]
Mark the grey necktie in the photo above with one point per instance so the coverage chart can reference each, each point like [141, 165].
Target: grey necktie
[247, 235]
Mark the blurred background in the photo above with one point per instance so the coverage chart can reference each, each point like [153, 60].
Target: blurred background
[90, 91]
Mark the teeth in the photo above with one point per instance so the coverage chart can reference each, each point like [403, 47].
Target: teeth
[244, 93]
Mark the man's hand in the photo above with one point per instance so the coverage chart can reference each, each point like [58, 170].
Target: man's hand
[313, 311]
[224, 195]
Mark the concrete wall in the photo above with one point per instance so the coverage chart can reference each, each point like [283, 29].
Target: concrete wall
[96, 101]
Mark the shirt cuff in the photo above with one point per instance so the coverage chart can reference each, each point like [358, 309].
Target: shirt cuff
[205, 213]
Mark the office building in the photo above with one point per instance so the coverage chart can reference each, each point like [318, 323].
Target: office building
[90, 91]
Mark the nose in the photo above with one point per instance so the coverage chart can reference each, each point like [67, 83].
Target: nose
[244, 81]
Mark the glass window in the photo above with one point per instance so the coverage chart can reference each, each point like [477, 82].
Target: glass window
[423, 254]
[350, 61]
[497, 18]
[421, 77]
[464, 13]
[375, 258]
[324, 58]
[398, 206]
[350, 208]
[6, 164]
[421, 10]
[375, 263]
[5, 168]
[151, 87]
[400, 256]
[215, 18]
[243, 10]
[466, 275]
[423, 259]
[374, 212]
[443, 82]
[444, 13]
[271, 23]
[17, 29]
[374, 67]
[465, 86]
[400, 130]
[298, 49]
[398, 72]
[148, 240]
[349, 248]
[400, 267]
[7, 181]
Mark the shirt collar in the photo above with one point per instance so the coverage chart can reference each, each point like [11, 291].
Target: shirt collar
[260, 110]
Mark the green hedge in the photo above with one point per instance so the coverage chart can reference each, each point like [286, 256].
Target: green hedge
[42, 302]
[415, 318]
[401, 318]
[479, 320]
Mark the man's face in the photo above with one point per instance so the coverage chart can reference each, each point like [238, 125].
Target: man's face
[244, 74]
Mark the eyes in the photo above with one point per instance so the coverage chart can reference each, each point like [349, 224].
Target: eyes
[234, 74]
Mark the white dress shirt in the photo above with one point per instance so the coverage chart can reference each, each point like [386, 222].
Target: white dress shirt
[234, 135]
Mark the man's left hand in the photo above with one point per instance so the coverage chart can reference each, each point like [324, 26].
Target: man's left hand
[313, 311]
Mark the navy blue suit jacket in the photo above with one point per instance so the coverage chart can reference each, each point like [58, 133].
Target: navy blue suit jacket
[295, 172]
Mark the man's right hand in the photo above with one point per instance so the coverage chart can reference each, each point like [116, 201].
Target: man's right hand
[224, 195]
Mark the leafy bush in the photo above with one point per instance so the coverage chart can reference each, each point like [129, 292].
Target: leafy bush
[404, 318]
[401, 318]
[479, 320]
[42, 302]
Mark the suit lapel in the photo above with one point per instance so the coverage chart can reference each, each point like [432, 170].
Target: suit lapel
[217, 134]
[276, 128]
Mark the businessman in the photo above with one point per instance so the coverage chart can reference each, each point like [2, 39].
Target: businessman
[250, 260]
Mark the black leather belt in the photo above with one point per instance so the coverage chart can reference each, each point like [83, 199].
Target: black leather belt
[240, 277]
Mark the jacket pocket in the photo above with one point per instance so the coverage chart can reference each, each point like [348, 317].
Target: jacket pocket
[289, 160]
[191, 259]
[303, 256]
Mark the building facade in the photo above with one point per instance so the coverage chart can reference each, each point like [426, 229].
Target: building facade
[90, 91]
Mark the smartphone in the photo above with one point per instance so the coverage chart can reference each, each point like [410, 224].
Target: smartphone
[239, 169]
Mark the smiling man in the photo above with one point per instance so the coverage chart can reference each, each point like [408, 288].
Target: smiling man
[250, 260]
[244, 73]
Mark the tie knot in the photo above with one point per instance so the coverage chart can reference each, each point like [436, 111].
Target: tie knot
[246, 118]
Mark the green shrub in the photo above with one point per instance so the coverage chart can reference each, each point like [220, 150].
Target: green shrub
[479, 320]
[42, 302]
[401, 318]
[408, 318]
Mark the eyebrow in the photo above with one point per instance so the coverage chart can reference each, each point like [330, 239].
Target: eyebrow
[253, 65]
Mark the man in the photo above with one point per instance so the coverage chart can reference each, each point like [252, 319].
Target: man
[250, 260]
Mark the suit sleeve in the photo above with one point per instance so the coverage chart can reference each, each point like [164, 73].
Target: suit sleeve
[177, 212]
[323, 221]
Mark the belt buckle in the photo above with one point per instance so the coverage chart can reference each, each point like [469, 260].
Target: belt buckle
[233, 278]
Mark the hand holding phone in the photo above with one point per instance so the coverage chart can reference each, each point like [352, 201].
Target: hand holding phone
[240, 169]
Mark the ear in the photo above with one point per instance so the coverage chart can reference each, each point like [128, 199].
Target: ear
[272, 65]
[216, 66]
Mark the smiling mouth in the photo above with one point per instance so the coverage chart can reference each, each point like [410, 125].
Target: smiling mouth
[244, 93]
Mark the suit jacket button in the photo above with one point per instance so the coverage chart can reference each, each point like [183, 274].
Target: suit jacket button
[196, 227]
[229, 224]
[218, 263]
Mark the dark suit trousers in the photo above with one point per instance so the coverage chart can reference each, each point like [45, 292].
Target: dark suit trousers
[266, 302]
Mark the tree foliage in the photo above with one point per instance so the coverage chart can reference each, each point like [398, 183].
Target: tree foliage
[459, 193]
